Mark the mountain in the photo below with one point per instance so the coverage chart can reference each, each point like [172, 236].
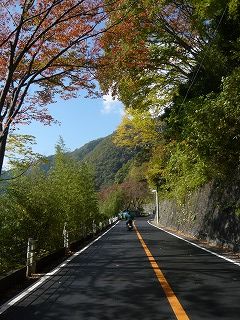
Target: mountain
[106, 158]
[110, 163]
[83, 152]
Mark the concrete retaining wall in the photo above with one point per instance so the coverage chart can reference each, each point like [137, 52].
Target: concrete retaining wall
[212, 213]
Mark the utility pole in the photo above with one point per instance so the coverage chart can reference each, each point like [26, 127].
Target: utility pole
[157, 205]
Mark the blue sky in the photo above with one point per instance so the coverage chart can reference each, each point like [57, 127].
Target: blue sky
[82, 120]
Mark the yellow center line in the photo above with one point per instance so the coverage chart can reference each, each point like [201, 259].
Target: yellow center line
[172, 299]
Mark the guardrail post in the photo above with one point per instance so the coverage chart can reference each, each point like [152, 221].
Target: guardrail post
[65, 238]
[31, 257]
[94, 227]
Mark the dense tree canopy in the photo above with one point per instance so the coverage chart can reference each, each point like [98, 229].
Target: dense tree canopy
[180, 64]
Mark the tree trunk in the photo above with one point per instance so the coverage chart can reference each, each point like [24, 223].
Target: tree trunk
[3, 143]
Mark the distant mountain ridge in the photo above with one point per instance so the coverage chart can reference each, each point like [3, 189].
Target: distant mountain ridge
[105, 157]
[82, 152]
[110, 162]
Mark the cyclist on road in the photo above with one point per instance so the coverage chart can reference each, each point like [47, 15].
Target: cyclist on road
[129, 216]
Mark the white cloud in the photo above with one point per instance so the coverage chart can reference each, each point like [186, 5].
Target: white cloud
[111, 105]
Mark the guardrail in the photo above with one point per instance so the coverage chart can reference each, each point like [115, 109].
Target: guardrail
[18, 277]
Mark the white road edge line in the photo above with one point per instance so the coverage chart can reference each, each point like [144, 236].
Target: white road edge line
[25, 292]
[196, 245]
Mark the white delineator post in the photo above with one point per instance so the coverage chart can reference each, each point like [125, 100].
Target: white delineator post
[31, 257]
[65, 238]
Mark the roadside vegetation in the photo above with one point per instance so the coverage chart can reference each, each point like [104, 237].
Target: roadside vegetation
[177, 73]
[38, 204]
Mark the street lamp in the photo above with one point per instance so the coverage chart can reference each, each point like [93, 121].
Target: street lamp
[157, 208]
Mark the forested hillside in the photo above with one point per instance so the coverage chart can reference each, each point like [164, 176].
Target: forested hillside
[110, 163]
[84, 151]
[106, 158]
[178, 75]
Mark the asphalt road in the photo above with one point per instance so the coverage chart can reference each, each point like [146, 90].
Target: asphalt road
[144, 274]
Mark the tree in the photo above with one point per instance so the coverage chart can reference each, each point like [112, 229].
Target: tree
[160, 51]
[137, 129]
[131, 193]
[175, 48]
[111, 200]
[180, 63]
[135, 188]
[74, 191]
[38, 204]
[48, 48]
[19, 151]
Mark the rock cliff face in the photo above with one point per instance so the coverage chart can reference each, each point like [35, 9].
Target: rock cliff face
[211, 213]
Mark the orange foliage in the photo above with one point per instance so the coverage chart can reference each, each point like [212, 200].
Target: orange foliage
[134, 45]
[51, 46]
